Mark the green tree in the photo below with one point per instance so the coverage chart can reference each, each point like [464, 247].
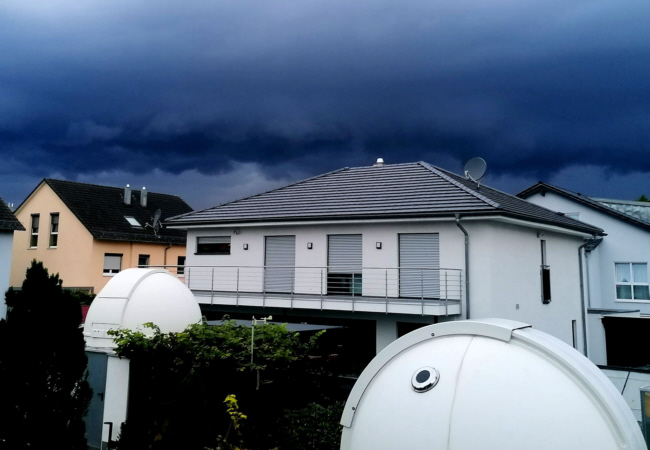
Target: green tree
[42, 366]
[643, 198]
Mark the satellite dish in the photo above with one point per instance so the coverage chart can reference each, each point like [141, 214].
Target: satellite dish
[156, 223]
[475, 169]
[489, 384]
[156, 217]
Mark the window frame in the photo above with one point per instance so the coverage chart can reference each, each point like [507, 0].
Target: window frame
[148, 258]
[180, 263]
[33, 235]
[109, 273]
[226, 249]
[632, 283]
[54, 234]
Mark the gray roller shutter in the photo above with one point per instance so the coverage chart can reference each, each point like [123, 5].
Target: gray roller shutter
[419, 262]
[280, 262]
[344, 253]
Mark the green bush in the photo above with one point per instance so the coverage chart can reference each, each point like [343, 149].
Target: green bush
[314, 427]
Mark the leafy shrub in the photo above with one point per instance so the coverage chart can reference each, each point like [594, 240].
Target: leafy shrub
[314, 427]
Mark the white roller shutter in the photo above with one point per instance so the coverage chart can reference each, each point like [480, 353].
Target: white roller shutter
[419, 262]
[280, 262]
[344, 253]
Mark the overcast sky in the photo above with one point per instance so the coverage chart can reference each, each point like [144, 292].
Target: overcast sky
[216, 100]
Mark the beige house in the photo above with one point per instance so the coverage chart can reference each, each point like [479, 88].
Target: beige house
[88, 233]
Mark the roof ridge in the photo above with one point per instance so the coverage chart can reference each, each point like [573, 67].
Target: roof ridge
[439, 172]
[47, 180]
[261, 193]
[586, 200]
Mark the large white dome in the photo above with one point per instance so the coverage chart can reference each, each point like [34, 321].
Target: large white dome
[487, 384]
[134, 297]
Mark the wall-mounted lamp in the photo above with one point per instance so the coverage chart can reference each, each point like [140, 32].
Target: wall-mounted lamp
[378, 245]
[245, 246]
[310, 245]
[235, 231]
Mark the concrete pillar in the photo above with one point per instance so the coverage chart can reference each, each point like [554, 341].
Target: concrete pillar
[386, 332]
[117, 395]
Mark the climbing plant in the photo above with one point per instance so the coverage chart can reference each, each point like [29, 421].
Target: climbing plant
[179, 380]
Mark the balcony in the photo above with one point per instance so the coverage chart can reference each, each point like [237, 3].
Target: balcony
[422, 291]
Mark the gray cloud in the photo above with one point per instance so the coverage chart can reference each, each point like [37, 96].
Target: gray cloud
[538, 88]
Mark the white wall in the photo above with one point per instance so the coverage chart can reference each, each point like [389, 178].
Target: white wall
[505, 277]
[624, 242]
[311, 271]
[117, 395]
[505, 264]
[6, 243]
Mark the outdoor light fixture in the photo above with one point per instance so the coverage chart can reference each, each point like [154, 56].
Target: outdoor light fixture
[378, 245]
[245, 246]
[309, 245]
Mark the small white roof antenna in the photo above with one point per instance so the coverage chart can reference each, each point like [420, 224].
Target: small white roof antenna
[475, 169]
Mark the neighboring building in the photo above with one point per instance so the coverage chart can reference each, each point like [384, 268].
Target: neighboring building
[8, 224]
[88, 233]
[386, 246]
[615, 272]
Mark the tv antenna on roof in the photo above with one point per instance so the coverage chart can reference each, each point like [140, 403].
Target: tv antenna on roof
[156, 222]
[475, 169]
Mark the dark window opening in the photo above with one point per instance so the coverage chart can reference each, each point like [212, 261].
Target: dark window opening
[545, 272]
[344, 283]
[143, 260]
[213, 245]
[180, 270]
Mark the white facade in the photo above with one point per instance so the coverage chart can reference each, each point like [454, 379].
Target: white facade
[504, 266]
[625, 243]
[6, 245]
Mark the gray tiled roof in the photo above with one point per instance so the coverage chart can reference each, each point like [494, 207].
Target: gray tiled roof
[391, 191]
[8, 221]
[611, 207]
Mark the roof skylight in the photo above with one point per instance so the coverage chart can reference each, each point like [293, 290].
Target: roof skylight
[132, 220]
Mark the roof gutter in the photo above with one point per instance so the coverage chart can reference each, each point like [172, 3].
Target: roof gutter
[466, 264]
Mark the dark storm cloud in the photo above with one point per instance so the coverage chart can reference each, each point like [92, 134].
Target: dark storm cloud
[305, 87]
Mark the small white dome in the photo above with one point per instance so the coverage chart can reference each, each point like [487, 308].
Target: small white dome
[134, 297]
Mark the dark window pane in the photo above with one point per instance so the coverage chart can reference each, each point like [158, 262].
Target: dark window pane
[623, 292]
[641, 293]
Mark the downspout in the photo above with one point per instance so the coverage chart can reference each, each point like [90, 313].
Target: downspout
[466, 265]
[582, 301]
[165, 255]
[590, 245]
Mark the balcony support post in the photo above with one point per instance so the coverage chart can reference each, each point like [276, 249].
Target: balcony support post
[212, 288]
[237, 301]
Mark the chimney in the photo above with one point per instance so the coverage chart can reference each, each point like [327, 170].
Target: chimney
[143, 197]
[127, 195]
[379, 163]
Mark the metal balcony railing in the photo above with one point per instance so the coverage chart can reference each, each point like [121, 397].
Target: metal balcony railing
[422, 285]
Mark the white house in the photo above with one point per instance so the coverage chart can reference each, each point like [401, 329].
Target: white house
[615, 272]
[394, 246]
[8, 224]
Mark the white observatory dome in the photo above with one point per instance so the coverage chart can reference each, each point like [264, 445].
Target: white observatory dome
[134, 297]
[492, 384]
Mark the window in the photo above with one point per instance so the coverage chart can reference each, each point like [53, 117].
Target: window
[112, 263]
[632, 281]
[33, 239]
[133, 221]
[180, 270]
[54, 230]
[213, 245]
[143, 260]
[545, 275]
